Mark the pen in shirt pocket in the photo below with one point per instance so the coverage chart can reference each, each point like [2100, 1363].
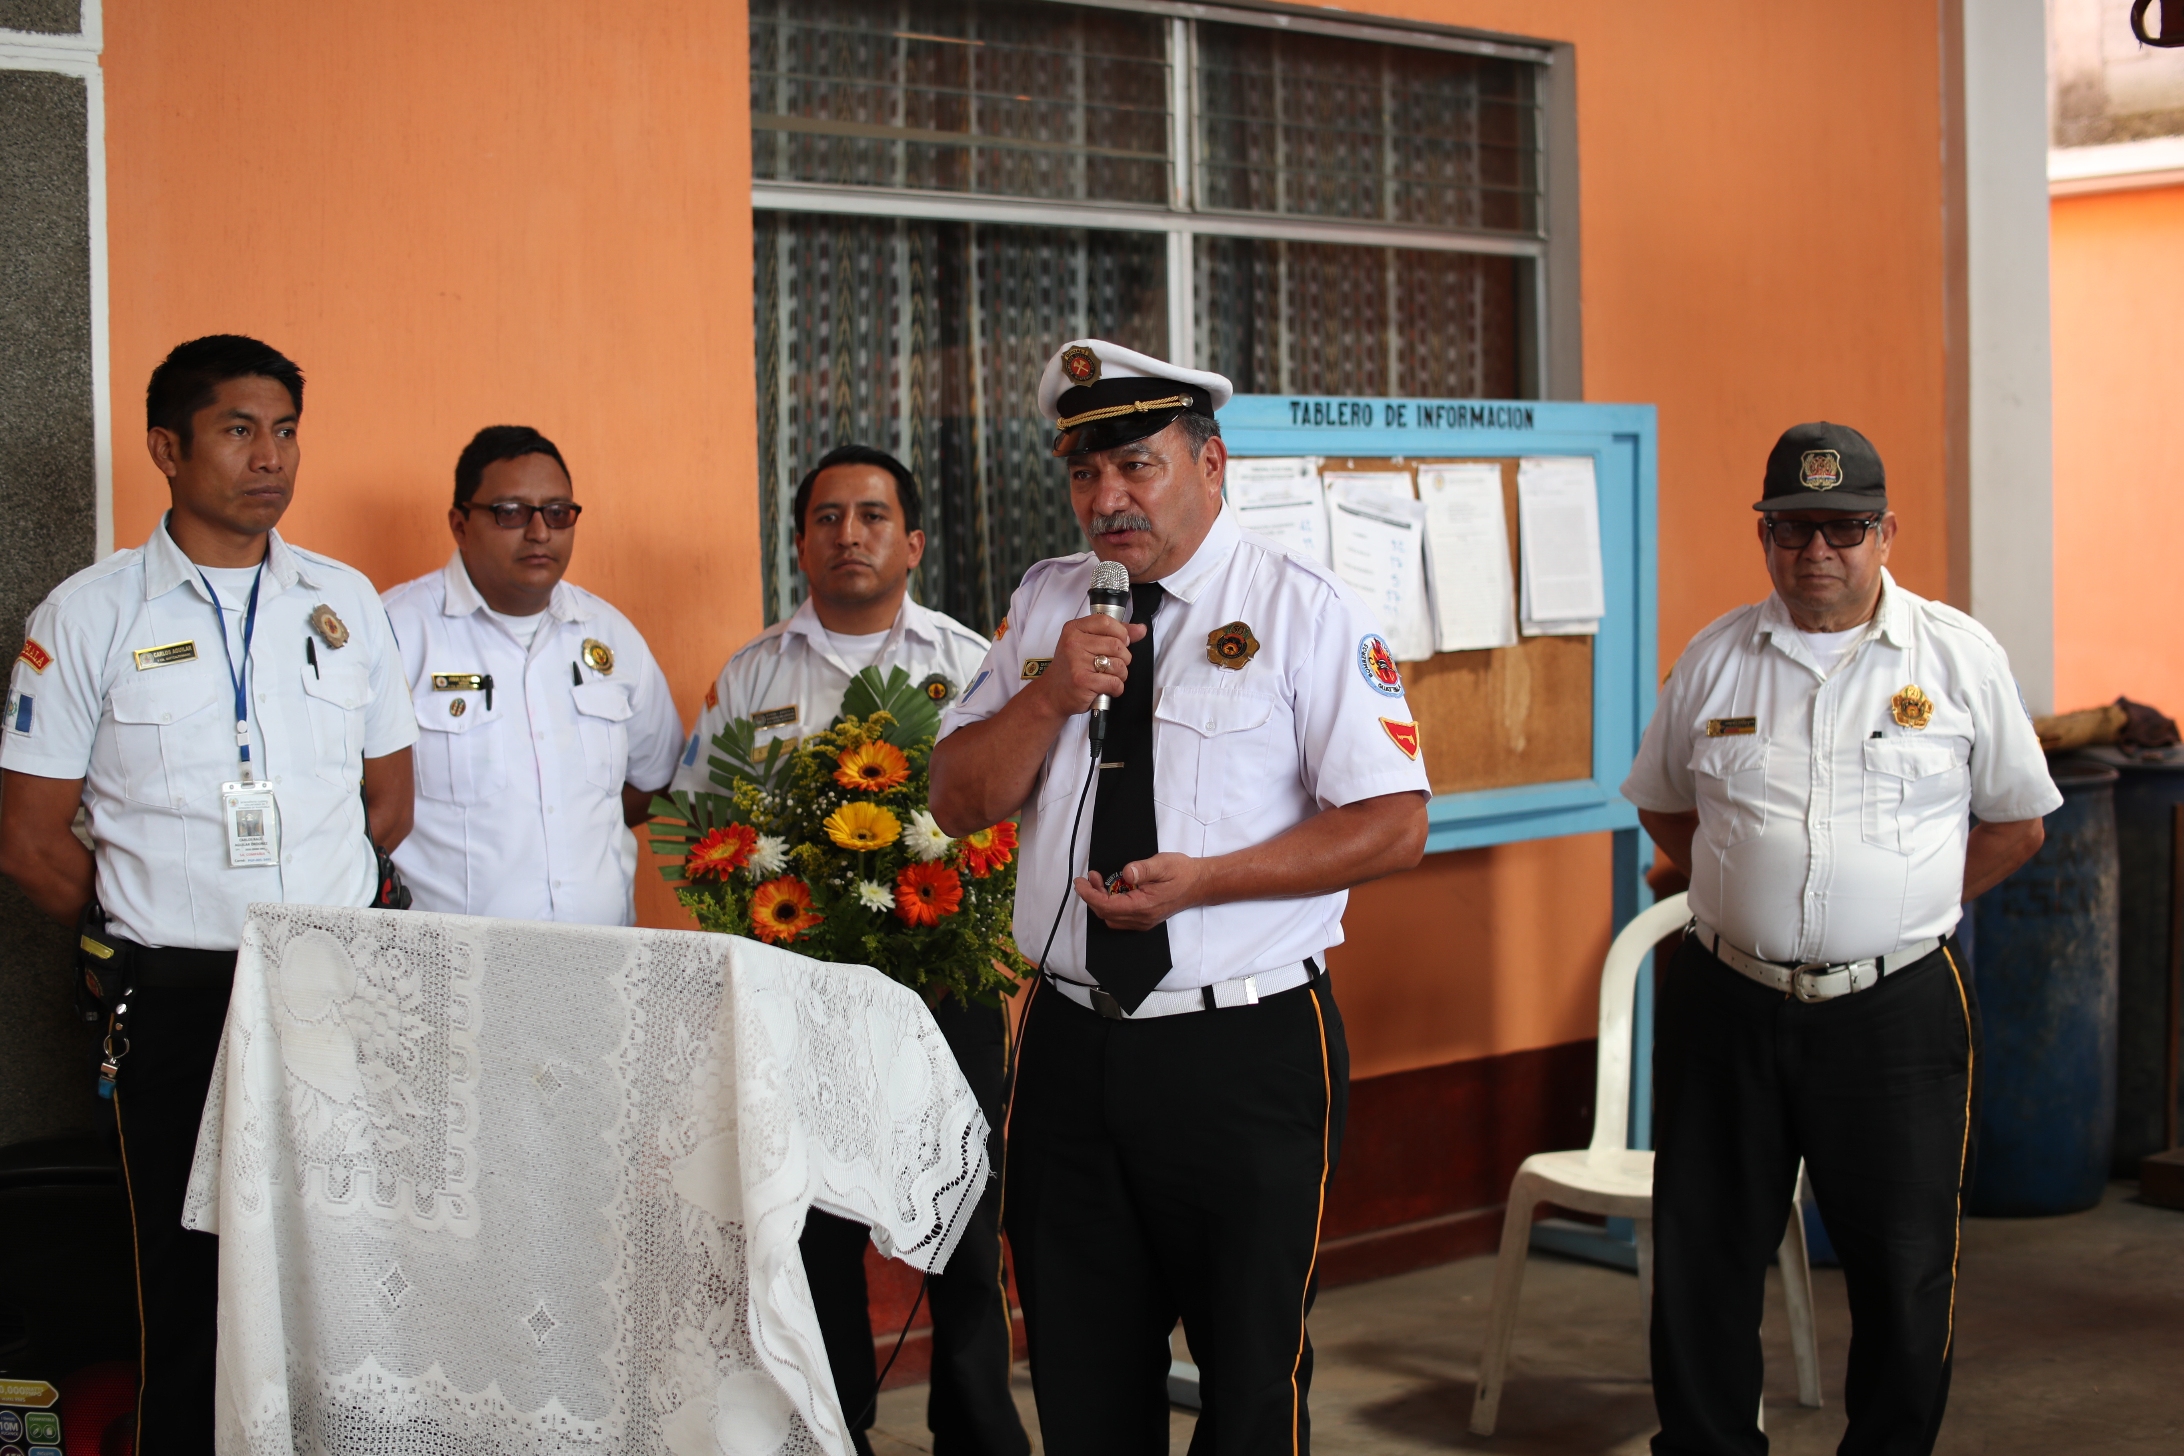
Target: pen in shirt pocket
[310, 654]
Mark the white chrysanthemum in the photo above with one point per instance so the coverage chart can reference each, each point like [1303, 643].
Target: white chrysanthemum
[923, 838]
[769, 857]
[875, 896]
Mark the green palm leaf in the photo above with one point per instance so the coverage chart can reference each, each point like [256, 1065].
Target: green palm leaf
[916, 717]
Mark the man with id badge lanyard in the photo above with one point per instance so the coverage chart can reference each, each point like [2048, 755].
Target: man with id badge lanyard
[230, 714]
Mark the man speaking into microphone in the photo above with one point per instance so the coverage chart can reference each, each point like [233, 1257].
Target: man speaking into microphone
[1182, 1073]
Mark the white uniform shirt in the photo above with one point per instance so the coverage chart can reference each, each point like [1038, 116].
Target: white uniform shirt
[1828, 829]
[1239, 755]
[519, 800]
[790, 679]
[153, 737]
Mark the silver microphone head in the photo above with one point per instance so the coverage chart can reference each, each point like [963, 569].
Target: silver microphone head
[1111, 576]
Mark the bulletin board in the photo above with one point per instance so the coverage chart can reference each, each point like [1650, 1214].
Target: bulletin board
[1533, 740]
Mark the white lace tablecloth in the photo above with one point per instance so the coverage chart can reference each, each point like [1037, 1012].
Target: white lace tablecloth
[484, 1186]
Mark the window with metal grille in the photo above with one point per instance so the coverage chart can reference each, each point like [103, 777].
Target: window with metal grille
[1311, 126]
[947, 190]
[1008, 100]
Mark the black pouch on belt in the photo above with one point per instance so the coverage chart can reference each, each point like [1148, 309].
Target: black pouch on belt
[100, 964]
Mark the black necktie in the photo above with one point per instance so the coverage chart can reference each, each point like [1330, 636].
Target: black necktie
[1128, 963]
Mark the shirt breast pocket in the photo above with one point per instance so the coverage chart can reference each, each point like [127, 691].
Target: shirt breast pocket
[1730, 775]
[457, 757]
[1219, 753]
[1912, 785]
[155, 726]
[335, 694]
[602, 720]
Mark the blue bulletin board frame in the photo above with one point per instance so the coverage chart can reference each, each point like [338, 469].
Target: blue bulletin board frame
[1623, 441]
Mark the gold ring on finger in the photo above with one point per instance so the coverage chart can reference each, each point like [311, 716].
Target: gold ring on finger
[1100, 664]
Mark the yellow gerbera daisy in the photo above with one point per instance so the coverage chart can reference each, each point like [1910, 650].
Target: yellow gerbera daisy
[862, 826]
[874, 767]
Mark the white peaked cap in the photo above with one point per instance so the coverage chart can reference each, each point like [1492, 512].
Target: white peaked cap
[1116, 362]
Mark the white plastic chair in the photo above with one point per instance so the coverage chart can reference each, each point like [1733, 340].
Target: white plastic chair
[1614, 1180]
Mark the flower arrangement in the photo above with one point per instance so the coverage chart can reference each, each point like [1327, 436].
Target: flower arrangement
[826, 845]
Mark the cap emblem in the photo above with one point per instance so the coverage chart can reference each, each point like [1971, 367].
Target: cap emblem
[1820, 469]
[1081, 365]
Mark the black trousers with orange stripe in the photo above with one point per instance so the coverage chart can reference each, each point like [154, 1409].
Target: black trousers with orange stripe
[1173, 1168]
[1875, 1092]
[174, 1039]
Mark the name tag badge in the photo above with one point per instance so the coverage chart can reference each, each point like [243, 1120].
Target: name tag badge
[253, 824]
[165, 655]
[1731, 727]
[1033, 666]
[774, 717]
[458, 682]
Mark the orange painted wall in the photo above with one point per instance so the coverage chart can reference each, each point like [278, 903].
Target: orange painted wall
[454, 216]
[2119, 356]
[457, 215]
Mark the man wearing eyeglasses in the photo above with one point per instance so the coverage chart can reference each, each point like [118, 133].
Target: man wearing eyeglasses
[1815, 764]
[546, 726]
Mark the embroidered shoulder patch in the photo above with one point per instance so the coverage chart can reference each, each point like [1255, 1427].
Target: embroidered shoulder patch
[1377, 664]
[1002, 630]
[712, 695]
[38, 658]
[1404, 735]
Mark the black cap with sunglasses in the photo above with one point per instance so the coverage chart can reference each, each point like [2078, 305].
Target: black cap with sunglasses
[1824, 467]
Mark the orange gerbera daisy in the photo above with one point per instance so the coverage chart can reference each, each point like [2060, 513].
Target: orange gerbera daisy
[925, 892]
[721, 853]
[781, 910]
[986, 850]
[874, 767]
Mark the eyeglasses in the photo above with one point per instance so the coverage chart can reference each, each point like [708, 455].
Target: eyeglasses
[516, 515]
[1842, 535]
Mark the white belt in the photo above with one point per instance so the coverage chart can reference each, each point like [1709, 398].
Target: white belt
[1814, 980]
[1243, 991]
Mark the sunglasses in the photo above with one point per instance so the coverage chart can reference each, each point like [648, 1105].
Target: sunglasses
[1842, 535]
[516, 515]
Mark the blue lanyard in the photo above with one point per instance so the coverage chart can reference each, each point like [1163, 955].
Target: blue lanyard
[250, 623]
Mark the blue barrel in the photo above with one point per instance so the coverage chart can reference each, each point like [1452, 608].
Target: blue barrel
[2046, 971]
[2147, 798]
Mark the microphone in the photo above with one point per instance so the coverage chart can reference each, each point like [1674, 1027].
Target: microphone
[1110, 598]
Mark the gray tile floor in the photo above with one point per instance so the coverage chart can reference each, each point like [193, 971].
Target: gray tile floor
[2070, 1338]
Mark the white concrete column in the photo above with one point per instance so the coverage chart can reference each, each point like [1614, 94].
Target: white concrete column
[2001, 435]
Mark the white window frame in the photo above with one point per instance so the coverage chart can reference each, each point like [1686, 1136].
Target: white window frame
[1555, 341]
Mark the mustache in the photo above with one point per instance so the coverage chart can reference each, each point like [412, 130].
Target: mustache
[1121, 521]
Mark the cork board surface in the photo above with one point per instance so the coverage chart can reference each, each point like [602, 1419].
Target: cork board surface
[1507, 716]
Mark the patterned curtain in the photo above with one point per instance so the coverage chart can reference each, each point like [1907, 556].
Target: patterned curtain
[1323, 318]
[1308, 125]
[926, 339]
[939, 95]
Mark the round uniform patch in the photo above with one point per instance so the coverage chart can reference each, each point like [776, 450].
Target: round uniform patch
[1377, 664]
[938, 688]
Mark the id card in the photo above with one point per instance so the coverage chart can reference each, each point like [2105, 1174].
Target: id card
[253, 824]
